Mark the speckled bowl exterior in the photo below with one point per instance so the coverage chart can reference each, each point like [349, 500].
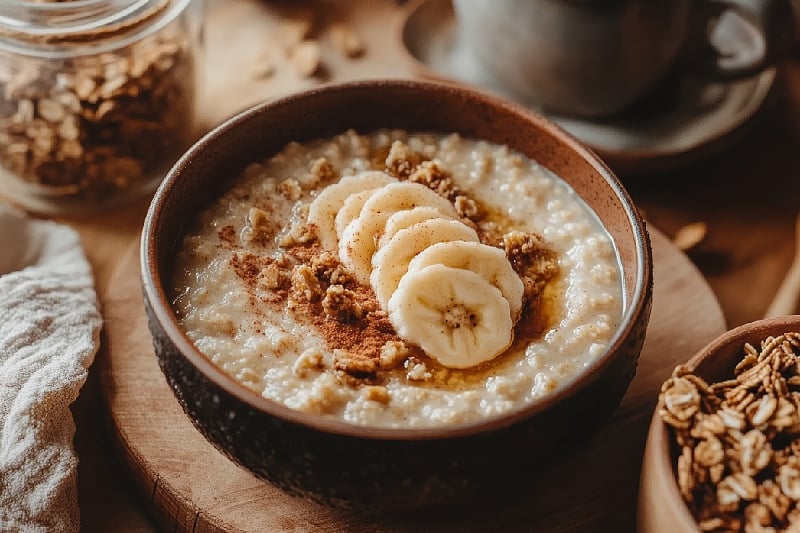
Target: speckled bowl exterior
[373, 469]
[661, 508]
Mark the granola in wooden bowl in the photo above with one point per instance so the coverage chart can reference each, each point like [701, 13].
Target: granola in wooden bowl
[724, 449]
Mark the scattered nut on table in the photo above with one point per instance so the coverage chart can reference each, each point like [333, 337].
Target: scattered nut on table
[263, 66]
[346, 40]
[690, 235]
[305, 58]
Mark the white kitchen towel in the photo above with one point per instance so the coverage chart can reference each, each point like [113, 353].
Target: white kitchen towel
[49, 334]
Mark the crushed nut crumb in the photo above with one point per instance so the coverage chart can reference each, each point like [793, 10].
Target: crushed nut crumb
[355, 364]
[269, 278]
[320, 171]
[305, 286]
[340, 304]
[466, 207]
[402, 160]
[257, 229]
[299, 233]
[434, 176]
[392, 354]
[417, 370]
[532, 260]
[326, 267]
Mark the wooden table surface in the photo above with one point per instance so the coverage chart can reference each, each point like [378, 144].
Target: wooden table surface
[749, 197]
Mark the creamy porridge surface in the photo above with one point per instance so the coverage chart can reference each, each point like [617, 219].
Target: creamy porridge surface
[263, 294]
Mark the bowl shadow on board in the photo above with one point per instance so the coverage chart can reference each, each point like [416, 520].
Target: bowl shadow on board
[374, 469]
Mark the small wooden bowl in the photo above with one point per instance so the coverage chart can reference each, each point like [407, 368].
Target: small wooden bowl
[661, 508]
[375, 469]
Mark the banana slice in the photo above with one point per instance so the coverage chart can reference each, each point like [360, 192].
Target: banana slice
[457, 317]
[489, 262]
[323, 209]
[351, 208]
[391, 261]
[407, 218]
[358, 241]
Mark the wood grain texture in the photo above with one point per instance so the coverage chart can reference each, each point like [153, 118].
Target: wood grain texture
[188, 486]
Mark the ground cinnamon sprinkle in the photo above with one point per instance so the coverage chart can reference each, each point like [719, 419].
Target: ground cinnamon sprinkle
[251, 269]
[364, 337]
[248, 266]
[227, 234]
[314, 285]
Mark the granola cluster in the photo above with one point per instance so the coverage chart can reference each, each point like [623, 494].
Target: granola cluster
[531, 259]
[738, 468]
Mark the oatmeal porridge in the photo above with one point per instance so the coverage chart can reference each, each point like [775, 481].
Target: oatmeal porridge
[399, 280]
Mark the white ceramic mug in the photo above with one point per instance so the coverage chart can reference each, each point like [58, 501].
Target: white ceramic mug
[595, 57]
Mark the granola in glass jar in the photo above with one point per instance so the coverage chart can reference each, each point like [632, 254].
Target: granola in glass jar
[96, 98]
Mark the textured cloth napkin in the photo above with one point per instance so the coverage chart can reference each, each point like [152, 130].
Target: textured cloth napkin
[49, 334]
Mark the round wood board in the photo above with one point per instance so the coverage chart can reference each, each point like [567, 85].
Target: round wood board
[186, 485]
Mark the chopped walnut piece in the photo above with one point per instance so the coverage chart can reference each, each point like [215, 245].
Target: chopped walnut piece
[465, 206]
[402, 160]
[340, 304]
[435, 177]
[269, 278]
[739, 468]
[305, 286]
[327, 268]
[392, 354]
[534, 263]
[257, 230]
[355, 364]
[299, 233]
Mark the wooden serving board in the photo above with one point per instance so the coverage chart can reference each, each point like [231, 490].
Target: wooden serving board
[186, 485]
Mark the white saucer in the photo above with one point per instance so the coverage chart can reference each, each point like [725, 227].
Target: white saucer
[699, 118]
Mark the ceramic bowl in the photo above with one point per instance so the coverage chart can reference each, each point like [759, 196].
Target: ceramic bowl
[661, 508]
[388, 469]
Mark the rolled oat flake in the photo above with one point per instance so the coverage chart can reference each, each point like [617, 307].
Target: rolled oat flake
[96, 98]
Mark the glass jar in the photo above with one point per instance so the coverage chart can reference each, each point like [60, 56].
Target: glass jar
[96, 98]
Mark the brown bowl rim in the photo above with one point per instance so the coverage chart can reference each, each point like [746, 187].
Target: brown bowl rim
[659, 431]
[162, 309]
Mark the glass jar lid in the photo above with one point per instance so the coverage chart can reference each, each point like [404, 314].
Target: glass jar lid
[63, 27]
